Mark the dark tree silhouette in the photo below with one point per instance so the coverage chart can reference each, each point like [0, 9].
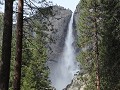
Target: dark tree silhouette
[18, 59]
[6, 46]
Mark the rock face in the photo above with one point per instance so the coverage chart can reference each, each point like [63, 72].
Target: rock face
[75, 22]
[76, 16]
[57, 25]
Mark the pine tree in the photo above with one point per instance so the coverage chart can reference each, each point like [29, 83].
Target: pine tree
[110, 45]
[34, 70]
[102, 27]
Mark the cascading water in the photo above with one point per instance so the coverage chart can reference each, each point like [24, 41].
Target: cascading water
[67, 66]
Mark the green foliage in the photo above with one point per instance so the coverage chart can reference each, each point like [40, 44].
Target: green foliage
[1, 29]
[108, 26]
[1, 22]
[110, 46]
[34, 75]
[13, 48]
[86, 42]
[34, 69]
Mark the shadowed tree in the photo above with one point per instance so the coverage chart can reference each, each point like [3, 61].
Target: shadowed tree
[6, 46]
[18, 59]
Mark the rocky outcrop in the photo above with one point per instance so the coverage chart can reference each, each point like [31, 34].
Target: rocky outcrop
[76, 16]
[75, 22]
[59, 22]
[57, 25]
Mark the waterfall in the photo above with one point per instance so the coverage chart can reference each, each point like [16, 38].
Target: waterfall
[67, 66]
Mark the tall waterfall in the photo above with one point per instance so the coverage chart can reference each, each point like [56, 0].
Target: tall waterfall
[67, 66]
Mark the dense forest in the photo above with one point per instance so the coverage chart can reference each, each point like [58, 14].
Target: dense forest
[99, 38]
[23, 58]
[23, 41]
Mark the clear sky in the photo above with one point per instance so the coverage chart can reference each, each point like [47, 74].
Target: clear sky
[1, 8]
[71, 4]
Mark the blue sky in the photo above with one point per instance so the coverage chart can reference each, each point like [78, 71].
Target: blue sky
[71, 4]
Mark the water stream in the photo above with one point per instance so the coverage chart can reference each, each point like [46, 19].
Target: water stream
[67, 66]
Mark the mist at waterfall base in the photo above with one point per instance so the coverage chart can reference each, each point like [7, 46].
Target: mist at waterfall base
[65, 69]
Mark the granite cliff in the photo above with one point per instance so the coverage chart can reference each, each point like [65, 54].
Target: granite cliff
[58, 30]
[57, 24]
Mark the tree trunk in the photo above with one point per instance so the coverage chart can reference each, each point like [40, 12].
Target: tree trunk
[97, 57]
[6, 46]
[18, 59]
[96, 48]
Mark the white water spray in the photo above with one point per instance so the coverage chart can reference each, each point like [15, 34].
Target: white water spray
[67, 66]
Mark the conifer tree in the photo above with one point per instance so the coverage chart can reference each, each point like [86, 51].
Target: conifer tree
[99, 34]
[110, 45]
